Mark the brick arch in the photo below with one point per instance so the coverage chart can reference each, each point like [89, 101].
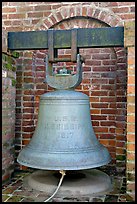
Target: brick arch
[87, 11]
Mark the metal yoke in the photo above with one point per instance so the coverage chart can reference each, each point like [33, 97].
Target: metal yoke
[63, 81]
[66, 39]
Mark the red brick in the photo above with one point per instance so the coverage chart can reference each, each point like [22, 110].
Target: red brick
[120, 124]
[42, 7]
[130, 166]
[131, 118]
[112, 130]
[72, 11]
[64, 13]
[119, 130]
[107, 123]
[130, 147]
[47, 23]
[111, 81]
[130, 127]
[39, 92]
[17, 16]
[131, 89]
[90, 11]
[23, 167]
[41, 86]
[27, 135]
[8, 9]
[78, 10]
[111, 4]
[121, 10]
[106, 136]
[99, 105]
[93, 62]
[127, 16]
[95, 111]
[95, 123]
[24, 9]
[120, 151]
[130, 156]
[58, 16]
[25, 142]
[40, 74]
[84, 11]
[28, 110]
[28, 92]
[101, 56]
[108, 111]
[55, 6]
[102, 15]
[7, 23]
[102, 69]
[28, 129]
[131, 137]
[99, 81]
[101, 129]
[120, 137]
[97, 13]
[35, 14]
[94, 99]
[99, 93]
[27, 98]
[28, 80]
[28, 74]
[53, 19]
[120, 144]
[131, 187]
[104, 142]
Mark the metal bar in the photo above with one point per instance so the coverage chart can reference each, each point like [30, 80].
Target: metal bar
[51, 45]
[74, 45]
[86, 38]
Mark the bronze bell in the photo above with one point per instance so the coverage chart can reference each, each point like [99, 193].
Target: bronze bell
[64, 137]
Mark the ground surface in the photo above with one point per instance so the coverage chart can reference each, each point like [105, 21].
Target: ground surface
[14, 191]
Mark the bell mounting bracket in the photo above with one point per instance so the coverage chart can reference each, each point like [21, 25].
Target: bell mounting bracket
[73, 39]
[63, 81]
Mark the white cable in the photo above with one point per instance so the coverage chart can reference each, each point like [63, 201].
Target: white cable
[60, 182]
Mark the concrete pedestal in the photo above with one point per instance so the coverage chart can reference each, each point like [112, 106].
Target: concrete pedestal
[75, 183]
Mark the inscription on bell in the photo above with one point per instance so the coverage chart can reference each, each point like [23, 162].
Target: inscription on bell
[65, 118]
[64, 126]
[63, 123]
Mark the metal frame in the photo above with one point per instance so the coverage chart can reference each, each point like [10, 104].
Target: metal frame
[86, 38]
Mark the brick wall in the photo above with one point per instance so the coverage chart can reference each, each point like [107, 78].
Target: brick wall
[8, 111]
[104, 71]
[130, 44]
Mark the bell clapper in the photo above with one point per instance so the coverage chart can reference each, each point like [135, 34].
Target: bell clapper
[63, 172]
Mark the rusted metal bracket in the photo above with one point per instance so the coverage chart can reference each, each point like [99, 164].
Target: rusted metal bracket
[53, 52]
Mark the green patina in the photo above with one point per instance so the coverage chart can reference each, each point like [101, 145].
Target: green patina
[13, 82]
[8, 61]
[6, 144]
[120, 157]
[86, 37]
[131, 177]
[14, 54]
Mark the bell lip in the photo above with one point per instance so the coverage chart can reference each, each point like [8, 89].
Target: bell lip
[65, 167]
[77, 167]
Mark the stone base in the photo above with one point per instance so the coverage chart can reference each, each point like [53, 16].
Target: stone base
[75, 183]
